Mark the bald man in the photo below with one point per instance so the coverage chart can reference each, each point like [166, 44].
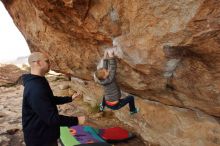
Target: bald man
[40, 119]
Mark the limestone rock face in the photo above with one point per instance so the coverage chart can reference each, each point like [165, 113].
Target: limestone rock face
[168, 50]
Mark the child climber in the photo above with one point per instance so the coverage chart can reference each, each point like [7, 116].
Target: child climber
[106, 77]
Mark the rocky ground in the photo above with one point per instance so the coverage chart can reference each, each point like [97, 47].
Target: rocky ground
[10, 114]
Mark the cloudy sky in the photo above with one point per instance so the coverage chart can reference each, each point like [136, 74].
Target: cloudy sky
[12, 43]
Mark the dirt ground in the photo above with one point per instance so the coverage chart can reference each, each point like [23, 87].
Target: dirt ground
[10, 117]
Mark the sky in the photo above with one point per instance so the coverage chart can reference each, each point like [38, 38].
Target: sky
[12, 43]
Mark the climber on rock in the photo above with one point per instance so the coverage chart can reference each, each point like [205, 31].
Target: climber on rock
[106, 77]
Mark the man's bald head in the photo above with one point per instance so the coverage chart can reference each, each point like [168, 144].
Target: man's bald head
[36, 56]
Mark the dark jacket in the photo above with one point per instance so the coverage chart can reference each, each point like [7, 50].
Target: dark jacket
[40, 119]
[111, 88]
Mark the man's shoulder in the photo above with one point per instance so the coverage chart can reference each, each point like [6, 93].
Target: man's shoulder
[36, 84]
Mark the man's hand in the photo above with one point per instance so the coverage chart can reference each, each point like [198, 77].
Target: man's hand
[76, 95]
[81, 120]
[111, 53]
[106, 54]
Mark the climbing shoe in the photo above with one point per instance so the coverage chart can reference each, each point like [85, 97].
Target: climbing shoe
[135, 111]
[101, 107]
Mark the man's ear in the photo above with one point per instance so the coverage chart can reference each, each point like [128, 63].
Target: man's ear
[38, 63]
